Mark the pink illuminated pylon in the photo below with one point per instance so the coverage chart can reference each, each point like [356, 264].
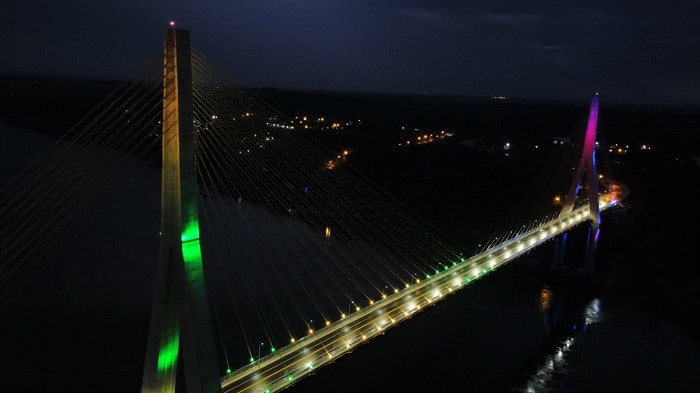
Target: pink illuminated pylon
[587, 163]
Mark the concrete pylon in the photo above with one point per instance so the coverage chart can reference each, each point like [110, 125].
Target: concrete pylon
[587, 164]
[180, 317]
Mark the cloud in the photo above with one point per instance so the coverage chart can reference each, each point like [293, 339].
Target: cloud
[512, 20]
[423, 14]
[540, 46]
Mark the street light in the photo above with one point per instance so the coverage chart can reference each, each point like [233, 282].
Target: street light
[259, 346]
[351, 303]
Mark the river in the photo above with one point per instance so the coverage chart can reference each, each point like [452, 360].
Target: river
[526, 327]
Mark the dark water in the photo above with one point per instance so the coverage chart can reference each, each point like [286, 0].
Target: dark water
[83, 322]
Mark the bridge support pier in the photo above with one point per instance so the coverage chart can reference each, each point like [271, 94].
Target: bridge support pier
[560, 251]
[591, 249]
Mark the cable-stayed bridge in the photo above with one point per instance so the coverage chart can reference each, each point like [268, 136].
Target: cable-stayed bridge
[342, 253]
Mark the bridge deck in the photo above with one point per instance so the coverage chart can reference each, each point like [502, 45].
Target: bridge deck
[287, 365]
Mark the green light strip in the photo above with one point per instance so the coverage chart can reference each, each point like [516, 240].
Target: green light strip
[192, 252]
[167, 356]
[190, 231]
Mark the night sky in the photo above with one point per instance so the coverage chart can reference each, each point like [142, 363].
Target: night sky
[635, 51]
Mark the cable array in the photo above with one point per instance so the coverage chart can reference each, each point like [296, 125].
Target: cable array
[54, 196]
[290, 244]
[543, 198]
[306, 245]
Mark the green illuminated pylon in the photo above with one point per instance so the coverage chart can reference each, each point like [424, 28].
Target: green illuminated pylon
[180, 320]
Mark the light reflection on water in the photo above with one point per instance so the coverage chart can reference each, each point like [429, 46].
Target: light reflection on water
[544, 304]
[557, 362]
[592, 313]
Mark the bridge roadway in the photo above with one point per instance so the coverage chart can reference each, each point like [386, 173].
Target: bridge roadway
[283, 368]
